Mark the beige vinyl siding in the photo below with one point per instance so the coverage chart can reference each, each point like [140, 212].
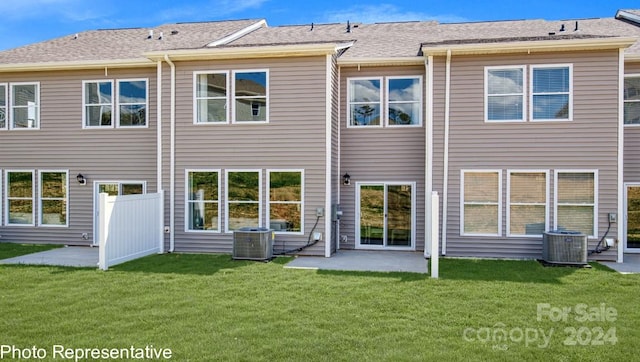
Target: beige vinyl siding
[62, 144]
[589, 142]
[294, 138]
[632, 140]
[386, 154]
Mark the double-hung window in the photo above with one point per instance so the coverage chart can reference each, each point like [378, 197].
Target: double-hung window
[250, 96]
[132, 103]
[575, 207]
[632, 100]
[285, 201]
[504, 91]
[527, 203]
[551, 97]
[54, 207]
[25, 105]
[19, 195]
[404, 101]
[211, 92]
[481, 202]
[244, 197]
[3, 106]
[98, 103]
[203, 205]
[365, 102]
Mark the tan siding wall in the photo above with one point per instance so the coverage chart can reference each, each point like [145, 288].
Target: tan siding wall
[62, 144]
[380, 155]
[293, 139]
[588, 142]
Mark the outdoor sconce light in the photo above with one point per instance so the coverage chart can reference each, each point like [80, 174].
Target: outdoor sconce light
[81, 179]
[346, 179]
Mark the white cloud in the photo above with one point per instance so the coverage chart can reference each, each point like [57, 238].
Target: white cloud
[210, 9]
[384, 13]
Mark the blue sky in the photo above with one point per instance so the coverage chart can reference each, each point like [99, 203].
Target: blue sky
[29, 21]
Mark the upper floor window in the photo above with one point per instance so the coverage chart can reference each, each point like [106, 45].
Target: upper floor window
[404, 101]
[504, 93]
[365, 102]
[632, 100]
[98, 104]
[132, 103]
[128, 107]
[211, 98]
[551, 93]
[250, 96]
[25, 105]
[398, 104]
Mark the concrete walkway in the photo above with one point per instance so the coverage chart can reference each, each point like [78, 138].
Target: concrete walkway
[630, 264]
[76, 256]
[361, 260]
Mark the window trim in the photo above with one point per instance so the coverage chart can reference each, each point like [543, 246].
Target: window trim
[40, 198]
[33, 197]
[523, 95]
[118, 104]
[12, 106]
[387, 101]
[301, 203]
[186, 201]
[532, 68]
[624, 101]
[595, 197]
[226, 196]
[84, 104]
[6, 106]
[546, 206]
[226, 98]
[232, 95]
[499, 201]
[382, 102]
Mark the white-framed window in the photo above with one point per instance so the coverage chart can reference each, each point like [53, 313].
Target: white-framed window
[365, 102]
[632, 100]
[97, 111]
[251, 96]
[285, 201]
[243, 199]
[504, 94]
[527, 202]
[19, 196]
[53, 198]
[25, 105]
[404, 101]
[481, 202]
[203, 200]
[132, 97]
[4, 97]
[551, 94]
[576, 195]
[211, 93]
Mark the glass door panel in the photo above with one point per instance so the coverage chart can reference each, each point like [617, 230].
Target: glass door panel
[372, 215]
[386, 215]
[399, 215]
[633, 217]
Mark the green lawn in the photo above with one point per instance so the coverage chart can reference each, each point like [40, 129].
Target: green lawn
[9, 250]
[208, 307]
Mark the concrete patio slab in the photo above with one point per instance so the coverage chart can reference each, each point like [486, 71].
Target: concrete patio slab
[360, 260]
[630, 264]
[75, 256]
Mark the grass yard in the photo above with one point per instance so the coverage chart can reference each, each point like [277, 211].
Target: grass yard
[208, 307]
[9, 250]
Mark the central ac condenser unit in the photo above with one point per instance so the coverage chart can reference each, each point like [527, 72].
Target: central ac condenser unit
[564, 247]
[253, 244]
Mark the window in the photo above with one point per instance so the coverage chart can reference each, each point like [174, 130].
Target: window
[481, 200]
[203, 205]
[19, 198]
[243, 199]
[576, 195]
[551, 93]
[25, 105]
[98, 104]
[365, 101]
[53, 198]
[132, 103]
[211, 98]
[285, 201]
[632, 100]
[527, 201]
[404, 101]
[3, 106]
[250, 96]
[504, 90]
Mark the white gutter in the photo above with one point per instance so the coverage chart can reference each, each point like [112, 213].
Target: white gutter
[445, 181]
[73, 65]
[428, 174]
[621, 200]
[386, 61]
[329, 167]
[238, 34]
[172, 176]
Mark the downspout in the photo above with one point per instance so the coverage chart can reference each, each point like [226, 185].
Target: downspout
[445, 181]
[621, 212]
[159, 128]
[329, 167]
[428, 174]
[172, 157]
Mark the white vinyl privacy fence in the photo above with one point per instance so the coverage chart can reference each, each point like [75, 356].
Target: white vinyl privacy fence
[130, 227]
